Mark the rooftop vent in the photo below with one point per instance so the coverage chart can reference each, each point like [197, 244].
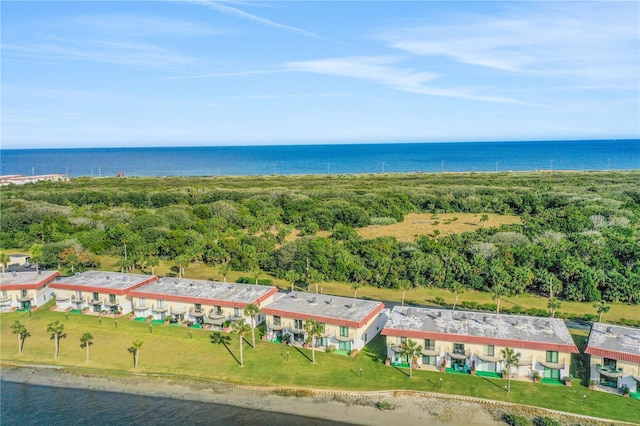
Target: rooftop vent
[313, 301]
[107, 278]
[440, 314]
[485, 319]
[332, 302]
[14, 273]
[609, 330]
[464, 317]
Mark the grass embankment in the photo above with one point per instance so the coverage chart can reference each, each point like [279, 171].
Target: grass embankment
[416, 296]
[170, 350]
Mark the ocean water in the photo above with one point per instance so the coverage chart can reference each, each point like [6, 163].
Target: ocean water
[327, 159]
[25, 404]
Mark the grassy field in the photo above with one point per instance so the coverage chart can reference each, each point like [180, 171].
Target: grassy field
[417, 296]
[425, 223]
[169, 349]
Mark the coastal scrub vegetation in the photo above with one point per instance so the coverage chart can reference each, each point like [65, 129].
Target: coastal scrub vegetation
[575, 236]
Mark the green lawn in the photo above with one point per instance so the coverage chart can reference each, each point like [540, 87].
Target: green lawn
[171, 350]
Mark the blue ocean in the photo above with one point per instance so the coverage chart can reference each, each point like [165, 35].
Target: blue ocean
[326, 159]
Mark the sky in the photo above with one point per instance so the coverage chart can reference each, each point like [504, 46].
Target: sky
[193, 73]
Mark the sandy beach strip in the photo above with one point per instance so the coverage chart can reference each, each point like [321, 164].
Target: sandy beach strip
[399, 408]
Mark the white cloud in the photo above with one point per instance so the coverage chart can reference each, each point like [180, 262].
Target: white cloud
[382, 70]
[577, 40]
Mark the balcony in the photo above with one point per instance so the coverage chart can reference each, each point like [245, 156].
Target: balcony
[340, 338]
[610, 371]
[431, 352]
[196, 313]
[552, 365]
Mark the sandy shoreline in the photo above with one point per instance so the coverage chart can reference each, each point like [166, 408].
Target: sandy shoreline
[347, 407]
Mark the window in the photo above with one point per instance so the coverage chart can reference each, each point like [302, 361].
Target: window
[78, 295]
[344, 331]
[552, 356]
[24, 293]
[160, 304]
[429, 360]
[277, 320]
[297, 324]
[96, 297]
[237, 312]
[458, 348]
[217, 310]
[143, 302]
[4, 295]
[489, 350]
[365, 337]
[429, 345]
[198, 307]
[610, 363]
[112, 298]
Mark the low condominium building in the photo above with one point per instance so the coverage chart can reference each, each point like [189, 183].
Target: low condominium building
[464, 341]
[207, 303]
[348, 323]
[615, 356]
[24, 290]
[98, 292]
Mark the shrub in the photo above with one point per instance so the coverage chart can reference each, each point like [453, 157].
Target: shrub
[383, 221]
[298, 393]
[545, 421]
[516, 420]
[384, 405]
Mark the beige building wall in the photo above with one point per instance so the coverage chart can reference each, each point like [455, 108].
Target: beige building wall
[10, 299]
[529, 358]
[630, 371]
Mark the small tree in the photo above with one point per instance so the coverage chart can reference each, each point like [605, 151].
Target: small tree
[602, 308]
[412, 349]
[483, 218]
[498, 292]
[511, 359]
[314, 329]
[553, 305]
[292, 276]
[21, 331]
[315, 277]
[251, 311]
[355, 286]
[135, 350]
[56, 329]
[4, 261]
[404, 286]
[456, 288]
[241, 329]
[86, 340]
[224, 269]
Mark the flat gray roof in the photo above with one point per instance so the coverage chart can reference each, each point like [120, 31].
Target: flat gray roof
[100, 280]
[319, 306]
[615, 338]
[205, 290]
[26, 277]
[484, 327]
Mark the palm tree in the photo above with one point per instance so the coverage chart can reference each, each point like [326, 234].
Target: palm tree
[86, 340]
[553, 305]
[314, 329]
[251, 311]
[256, 275]
[315, 277]
[602, 308]
[135, 350]
[412, 349]
[224, 269]
[511, 359]
[4, 261]
[404, 285]
[21, 331]
[497, 292]
[153, 261]
[56, 329]
[241, 329]
[456, 288]
[292, 276]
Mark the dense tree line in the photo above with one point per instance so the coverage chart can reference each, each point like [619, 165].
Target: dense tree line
[579, 238]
